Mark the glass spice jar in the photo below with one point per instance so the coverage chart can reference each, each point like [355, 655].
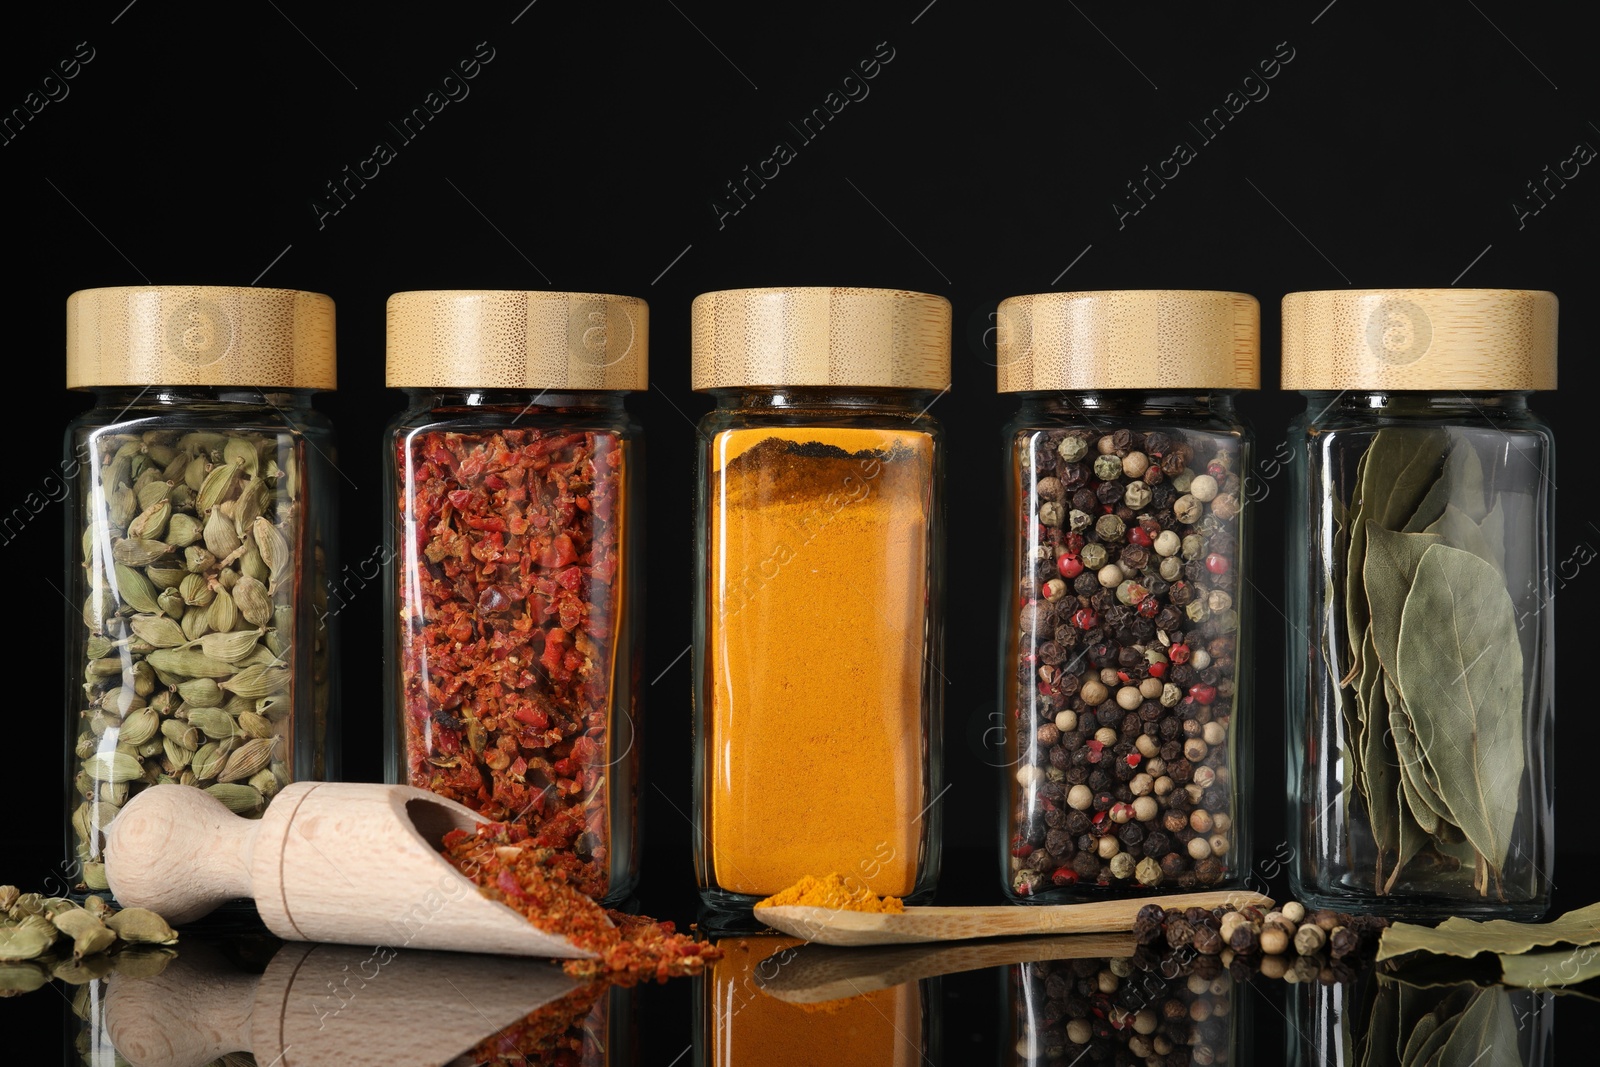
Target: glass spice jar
[819, 589]
[1419, 686]
[1125, 628]
[515, 566]
[199, 540]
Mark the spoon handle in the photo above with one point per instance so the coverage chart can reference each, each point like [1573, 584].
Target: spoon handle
[179, 852]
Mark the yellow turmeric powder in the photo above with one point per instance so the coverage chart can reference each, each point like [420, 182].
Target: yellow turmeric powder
[818, 577]
[834, 891]
[749, 1026]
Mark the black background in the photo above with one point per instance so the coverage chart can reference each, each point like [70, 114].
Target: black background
[985, 161]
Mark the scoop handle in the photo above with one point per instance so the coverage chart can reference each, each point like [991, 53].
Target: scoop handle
[180, 852]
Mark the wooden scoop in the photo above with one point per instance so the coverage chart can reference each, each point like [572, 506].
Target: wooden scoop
[832, 926]
[347, 862]
[323, 1005]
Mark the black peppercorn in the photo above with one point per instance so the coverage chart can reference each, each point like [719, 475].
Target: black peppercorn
[1179, 932]
[1245, 940]
[1078, 822]
[1207, 940]
[1343, 942]
[1099, 781]
[1109, 493]
[1085, 500]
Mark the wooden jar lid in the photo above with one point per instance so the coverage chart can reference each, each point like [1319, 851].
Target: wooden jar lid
[796, 336]
[1424, 339]
[1129, 339]
[511, 339]
[200, 335]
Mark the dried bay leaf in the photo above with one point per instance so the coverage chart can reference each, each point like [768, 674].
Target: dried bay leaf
[1485, 1034]
[1541, 970]
[1391, 564]
[1460, 483]
[1402, 466]
[1493, 528]
[1459, 531]
[1460, 676]
[1467, 937]
[1379, 764]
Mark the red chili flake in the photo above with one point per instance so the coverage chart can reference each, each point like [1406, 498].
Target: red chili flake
[538, 882]
[1133, 759]
[1096, 750]
[509, 597]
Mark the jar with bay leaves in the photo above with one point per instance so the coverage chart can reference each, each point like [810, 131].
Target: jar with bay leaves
[199, 539]
[1125, 619]
[1419, 688]
[514, 566]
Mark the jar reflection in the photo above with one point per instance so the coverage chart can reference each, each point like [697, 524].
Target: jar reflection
[742, 1023]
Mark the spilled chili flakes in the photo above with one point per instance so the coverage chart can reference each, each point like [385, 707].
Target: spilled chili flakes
[562, 1032]
[511, 867]
[509, 602]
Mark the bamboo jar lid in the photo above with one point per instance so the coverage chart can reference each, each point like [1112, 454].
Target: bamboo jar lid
[1424, 339]
[200, 335]
[511, 339]
[1129, 339]
[888, 338]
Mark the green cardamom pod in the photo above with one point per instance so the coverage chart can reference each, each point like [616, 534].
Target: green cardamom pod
[165, 577]
[113, 767]
[120, 700]
[138, 551]
[274, 708]
[220, 537]
[232, 646]
[176, 754]
[121, 505]
[218, 486]
[151, 523]
[250, 505]
[85, 746]
[19, 943]
[251, 565]
[242, 454]
[201, 692]
[98, 645]
[158, 630]
[194, 473]
[194, 625]
[239, 799]
[228, 578]
[247, 759]
[207, 761]
[215, 723]
[139, 726]
[253, 725]
[135, 590]
[151, 492]
[196, 591]
[266, 782]
[182, 733]
[257, 681]
[252, 600]
[198, 561]
[222, 615]
[189, 663]
[140, 926]
[171, 603]
[172, 468]
[183, 530]
[101, 606]
[273, 547]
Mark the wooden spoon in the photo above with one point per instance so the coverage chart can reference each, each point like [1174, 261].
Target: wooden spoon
[348, 862]
[833, 926]
[818, 973]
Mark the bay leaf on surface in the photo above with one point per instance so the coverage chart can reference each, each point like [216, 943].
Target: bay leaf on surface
[1540, 970]
[1459, 672]
[1466, 938]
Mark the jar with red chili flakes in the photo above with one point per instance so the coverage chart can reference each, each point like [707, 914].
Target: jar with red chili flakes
[514, 566]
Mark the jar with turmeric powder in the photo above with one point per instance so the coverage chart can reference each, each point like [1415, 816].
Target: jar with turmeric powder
[513, 566]
[1125, 616]
[818, 610]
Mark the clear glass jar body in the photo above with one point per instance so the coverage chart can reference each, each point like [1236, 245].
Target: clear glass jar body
[1144, 1008]
[818, 641]
[199, 540]
[1420, 677]
[515, 584]
[1124, 644]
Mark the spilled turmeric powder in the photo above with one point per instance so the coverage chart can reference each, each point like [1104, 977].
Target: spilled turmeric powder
[833, 891]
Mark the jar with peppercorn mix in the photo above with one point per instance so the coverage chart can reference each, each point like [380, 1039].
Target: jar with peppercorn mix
[514, 566]
[819, 599]
[200, 537]
[1419, 687]
[1125, 620]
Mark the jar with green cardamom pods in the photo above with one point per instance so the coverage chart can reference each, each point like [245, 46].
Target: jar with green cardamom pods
[199, 538]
